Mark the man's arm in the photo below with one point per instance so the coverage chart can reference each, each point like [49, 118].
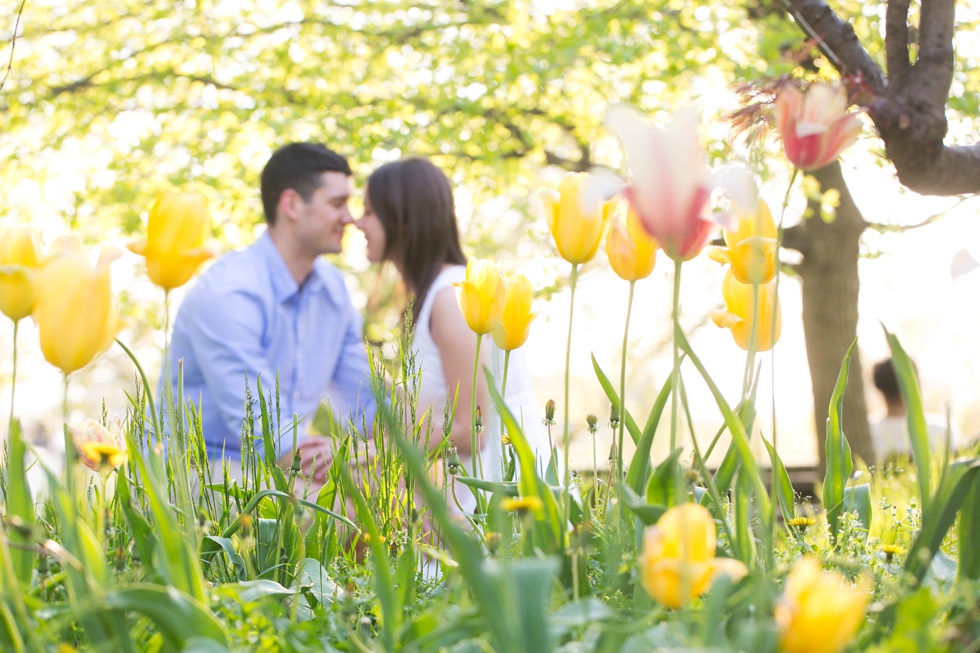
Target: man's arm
[225, 335]
[351, 384]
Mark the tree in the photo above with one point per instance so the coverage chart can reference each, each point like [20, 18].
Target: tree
[908, 107]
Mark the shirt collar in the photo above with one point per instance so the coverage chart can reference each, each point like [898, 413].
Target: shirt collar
[283, 284]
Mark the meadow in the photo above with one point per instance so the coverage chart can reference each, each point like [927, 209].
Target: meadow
[135, 546]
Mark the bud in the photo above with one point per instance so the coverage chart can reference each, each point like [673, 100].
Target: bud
[614, 416]
[549, 413]
[479, 420]
[453, 465]
[297, 466]
[505, 440]
[592, 421]
[493, 541]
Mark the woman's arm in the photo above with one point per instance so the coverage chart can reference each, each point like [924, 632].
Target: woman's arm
[457, 347]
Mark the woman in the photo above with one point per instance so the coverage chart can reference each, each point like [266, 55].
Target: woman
[410, 220]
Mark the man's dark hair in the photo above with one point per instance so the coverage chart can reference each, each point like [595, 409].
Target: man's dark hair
[886, 381]
[298, 166]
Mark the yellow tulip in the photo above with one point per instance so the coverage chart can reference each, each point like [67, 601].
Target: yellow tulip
[515, 321]
[678, 560]
[818, 611]
[75, 312]
[176, 231]
[632, 251]
[751, 248]
[739, 313]
[20, 256]
[577, 233]
[100, 449]
[481, 296]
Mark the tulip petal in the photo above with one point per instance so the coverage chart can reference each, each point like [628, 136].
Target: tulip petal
[739, 182]
[602, 186]
[724, 319]
[719, 255]
[549, 199]
[962, 263]
[138, 247]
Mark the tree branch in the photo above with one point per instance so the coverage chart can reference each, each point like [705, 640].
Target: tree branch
[897, 42]
[933, 70]
[13, 43]
[909, 111]
[838, 37]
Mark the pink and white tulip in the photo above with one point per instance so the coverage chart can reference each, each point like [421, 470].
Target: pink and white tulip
[814, 126]
[670, 186]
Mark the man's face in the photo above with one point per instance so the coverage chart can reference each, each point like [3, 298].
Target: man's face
[320, 223]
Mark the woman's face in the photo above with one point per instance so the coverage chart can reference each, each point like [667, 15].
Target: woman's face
[373, 230]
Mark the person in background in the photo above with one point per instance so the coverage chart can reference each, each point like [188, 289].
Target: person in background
[410, 220]
[889, 432]
[279, 307]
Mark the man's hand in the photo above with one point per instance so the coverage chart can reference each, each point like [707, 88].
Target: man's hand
[316, 454]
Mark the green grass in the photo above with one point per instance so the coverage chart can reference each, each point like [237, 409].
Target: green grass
[379, 560]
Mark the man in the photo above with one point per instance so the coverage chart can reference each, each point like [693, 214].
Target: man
[279, 306]
[889, 432]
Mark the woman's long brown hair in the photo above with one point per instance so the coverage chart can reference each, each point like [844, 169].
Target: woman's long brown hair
[414, 202]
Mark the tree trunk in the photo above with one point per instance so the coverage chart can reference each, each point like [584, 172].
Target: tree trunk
[830, 310]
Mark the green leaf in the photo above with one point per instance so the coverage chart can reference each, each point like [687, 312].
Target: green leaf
[613, 397]
[969, 534]
[506, 489]
[20, 505]
[548, 521]
[740, 440]
[311, 577]
[908, 384]
[725, 474]
[639, 466]
[839, 462]
[858, 499]
[384, 582]
[253, 590]
[467, 553]
[782, 486]
[648, 513]
[663, 484]
[936, 521]
[211, 546]
[176, 615]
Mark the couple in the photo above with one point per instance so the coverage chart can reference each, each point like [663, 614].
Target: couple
[278, 306]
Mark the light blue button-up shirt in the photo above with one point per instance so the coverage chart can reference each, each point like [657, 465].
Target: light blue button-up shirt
[247, 315]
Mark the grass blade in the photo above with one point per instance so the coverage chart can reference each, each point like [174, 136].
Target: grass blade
[613, 397]
[839, 462]
[639, 466]
[908, 384]
[20, 505]
[782, 486]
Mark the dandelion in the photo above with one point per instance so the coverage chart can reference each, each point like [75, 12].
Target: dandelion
[592, 421]
[801, 523]
[891, 550]
[521, 505]
[549, 413]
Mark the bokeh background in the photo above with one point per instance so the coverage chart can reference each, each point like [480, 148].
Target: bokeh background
[107, 103]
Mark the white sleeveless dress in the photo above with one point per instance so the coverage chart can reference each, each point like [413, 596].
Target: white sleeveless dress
[520, 395]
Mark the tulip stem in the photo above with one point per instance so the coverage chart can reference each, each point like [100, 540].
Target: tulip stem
[13, 375]
[567, 476]
[622, 385]
[503, 395]
[753, 348]
[477, 464]
[775, 302]
[69, 444]
[166, 394]
[675, 376]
